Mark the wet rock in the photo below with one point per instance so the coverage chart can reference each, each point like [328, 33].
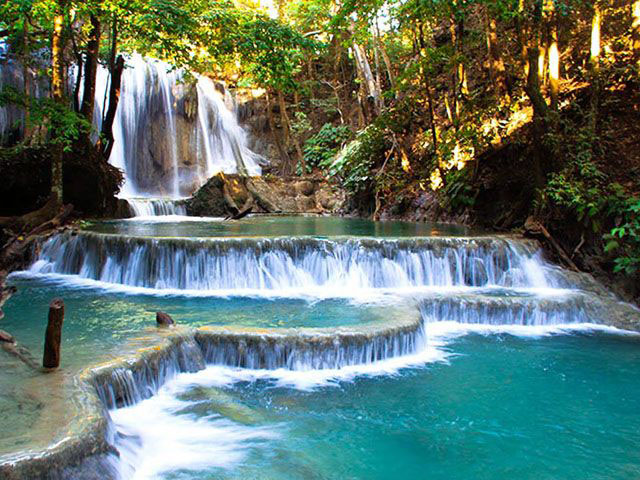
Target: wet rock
[122, 209]
[264, 195]
[208, 201]
[164, 319]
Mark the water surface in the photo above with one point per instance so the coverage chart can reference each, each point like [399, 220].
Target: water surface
[498, 406]
[273, 226]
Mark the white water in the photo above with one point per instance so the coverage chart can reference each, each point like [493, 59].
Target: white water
[161, 436]
[154, 438]
[457, 285]
[161, 152]
[153, 207]
[287, 265]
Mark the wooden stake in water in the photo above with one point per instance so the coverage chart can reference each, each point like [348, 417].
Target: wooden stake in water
[53, 336]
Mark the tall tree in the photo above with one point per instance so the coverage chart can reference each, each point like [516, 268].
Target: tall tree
[57, 90]
[91, 68]
[551, 24]
[635, 29]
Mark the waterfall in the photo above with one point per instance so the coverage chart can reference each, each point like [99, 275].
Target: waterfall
[226, 149]
[336, 267]
[151, 207]
[171, 135]
[468, 309]
[302, 351]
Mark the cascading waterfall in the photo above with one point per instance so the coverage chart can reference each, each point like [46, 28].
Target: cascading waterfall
[503, 310]
[332, 266]
[171, 136]
[438, 286]
[152, 207]
[226, 148]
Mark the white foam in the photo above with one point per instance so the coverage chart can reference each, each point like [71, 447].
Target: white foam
[320, 292]
[148, 219]
[154, 438]
[439, 334]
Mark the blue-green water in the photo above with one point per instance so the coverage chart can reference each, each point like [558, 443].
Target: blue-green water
[500, 406]
[99, 325]
[275, 226]
[557, 401]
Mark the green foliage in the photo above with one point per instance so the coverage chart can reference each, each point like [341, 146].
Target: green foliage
[300, 124]
[64, 126]
[272, 52]
[458, 191]
[579, 186]
[624, 239]
[320, 149]
[355, 163]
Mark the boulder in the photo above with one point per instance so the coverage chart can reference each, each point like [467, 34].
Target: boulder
[208, 201]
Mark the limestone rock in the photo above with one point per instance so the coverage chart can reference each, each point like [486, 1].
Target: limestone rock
[208, 201]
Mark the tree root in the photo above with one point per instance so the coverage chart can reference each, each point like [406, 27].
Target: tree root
[14, 250]
[535, 228]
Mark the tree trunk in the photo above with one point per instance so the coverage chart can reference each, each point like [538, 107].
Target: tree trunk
[554, 57]
[459, 77]
[106, 142]
[364, 70]
[635, 30]
[540, 108]
[521, 28]
[90, 69]
[497, 71]
[284, 156]
[26, 79]
[594, 57]
[378, 81]
[427, 86]
[462, 71]
[385, 58]
[57, 90]
[594, 67]
[53, 335]
[288, 135]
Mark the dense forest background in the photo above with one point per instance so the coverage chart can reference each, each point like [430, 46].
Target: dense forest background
[507, 115]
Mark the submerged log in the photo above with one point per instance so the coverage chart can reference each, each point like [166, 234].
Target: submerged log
[164, 319]
[5, 294]
[13, 253]
[6, 337]
[53, 336]
[21, 353]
